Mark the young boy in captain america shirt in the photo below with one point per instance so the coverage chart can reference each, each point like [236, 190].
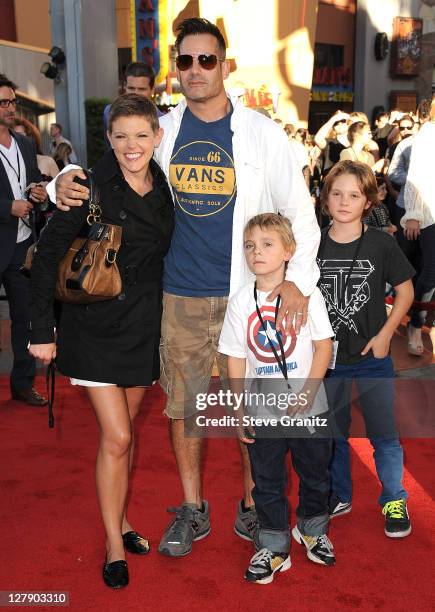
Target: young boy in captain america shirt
[259, 353]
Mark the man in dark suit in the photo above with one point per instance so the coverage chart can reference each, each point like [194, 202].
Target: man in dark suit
[19, 175]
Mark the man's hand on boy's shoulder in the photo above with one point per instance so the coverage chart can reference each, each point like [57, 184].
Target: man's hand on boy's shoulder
[293, 308]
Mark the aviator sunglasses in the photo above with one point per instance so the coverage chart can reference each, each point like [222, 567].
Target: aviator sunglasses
[208, 62]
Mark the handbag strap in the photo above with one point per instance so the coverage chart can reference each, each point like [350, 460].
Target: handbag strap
[94, 200]
[89, 175]
[50, 380]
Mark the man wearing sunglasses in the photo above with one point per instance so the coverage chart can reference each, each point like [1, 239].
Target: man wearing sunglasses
[19, 175]
[225, 163]
[405, 129]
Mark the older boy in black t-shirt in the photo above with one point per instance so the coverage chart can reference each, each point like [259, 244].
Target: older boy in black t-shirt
[355, 263]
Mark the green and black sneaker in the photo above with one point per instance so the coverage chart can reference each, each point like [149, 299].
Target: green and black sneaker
[397, 523]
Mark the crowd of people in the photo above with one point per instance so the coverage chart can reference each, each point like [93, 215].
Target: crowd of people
[214, 206]
[386, 147]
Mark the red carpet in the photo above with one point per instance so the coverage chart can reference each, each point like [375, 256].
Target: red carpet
[52, 539]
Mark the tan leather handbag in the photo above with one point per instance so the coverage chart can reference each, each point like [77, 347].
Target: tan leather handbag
[88, 272]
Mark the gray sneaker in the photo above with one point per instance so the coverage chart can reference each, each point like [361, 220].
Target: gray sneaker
[246, 523]
[188, 525]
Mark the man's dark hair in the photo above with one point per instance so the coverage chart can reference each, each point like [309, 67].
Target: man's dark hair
[377, 110]
[382, 114]
[130, 105]
[58, 126]
[5, 82]
[139, 69]
[423, 110]
[198, 25]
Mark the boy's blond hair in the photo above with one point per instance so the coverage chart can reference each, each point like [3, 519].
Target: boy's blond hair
[273, 221]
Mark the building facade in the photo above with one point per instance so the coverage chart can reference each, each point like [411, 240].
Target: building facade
[370, 54]
[334, 61]
[402, 73]
[301, 60]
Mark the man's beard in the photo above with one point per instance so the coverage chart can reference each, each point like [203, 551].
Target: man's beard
[7, 122]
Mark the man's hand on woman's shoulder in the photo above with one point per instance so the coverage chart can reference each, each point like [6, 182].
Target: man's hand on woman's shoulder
[68, 192]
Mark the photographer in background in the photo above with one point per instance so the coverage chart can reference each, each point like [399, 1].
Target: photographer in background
[20, 190]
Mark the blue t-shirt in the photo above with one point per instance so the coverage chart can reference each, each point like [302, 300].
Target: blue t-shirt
[203, 180]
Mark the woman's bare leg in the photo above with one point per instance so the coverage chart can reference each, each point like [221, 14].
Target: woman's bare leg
[134, 399]
[112, 466]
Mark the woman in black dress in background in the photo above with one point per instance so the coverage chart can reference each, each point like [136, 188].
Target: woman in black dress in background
[111, 347]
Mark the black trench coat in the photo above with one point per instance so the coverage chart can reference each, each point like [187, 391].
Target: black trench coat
[114, 341]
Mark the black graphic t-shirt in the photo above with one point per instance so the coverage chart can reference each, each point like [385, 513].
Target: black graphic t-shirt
[203, 181]
[357, 310]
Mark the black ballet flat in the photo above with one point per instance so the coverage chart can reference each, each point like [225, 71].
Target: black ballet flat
[136, 544]
[115, 574]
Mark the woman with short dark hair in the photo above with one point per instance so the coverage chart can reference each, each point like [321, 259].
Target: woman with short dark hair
[111, 347]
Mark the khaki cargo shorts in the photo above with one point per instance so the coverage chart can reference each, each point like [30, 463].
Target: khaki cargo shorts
[191, 327]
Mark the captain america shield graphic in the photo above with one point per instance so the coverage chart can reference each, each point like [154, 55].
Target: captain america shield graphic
[258, 338]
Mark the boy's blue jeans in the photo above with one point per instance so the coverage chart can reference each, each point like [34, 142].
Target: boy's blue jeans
[310, 459]
[375, 384]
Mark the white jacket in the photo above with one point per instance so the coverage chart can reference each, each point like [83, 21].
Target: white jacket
[420, 182]
[268, 180]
